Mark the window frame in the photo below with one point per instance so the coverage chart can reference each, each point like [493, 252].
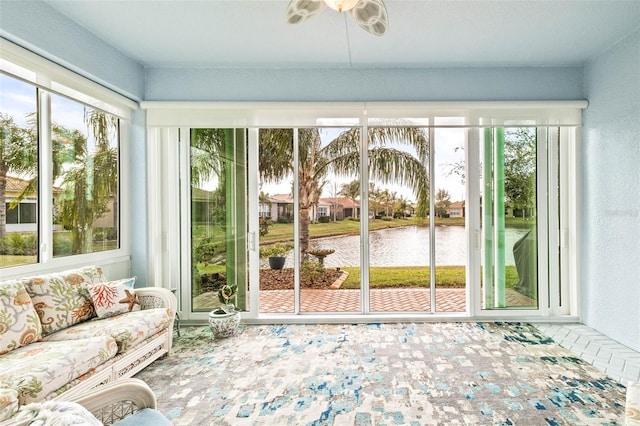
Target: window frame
[48, 77]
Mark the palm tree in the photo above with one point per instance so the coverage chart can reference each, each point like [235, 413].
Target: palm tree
[402, 205]
[18, 154]
[89, 178]
[443, 201]
[207, 154]
[351, 191]
[342, 158]
[375, 199]
[388, 200]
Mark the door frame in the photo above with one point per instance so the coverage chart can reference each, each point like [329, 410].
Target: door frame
[164, 119]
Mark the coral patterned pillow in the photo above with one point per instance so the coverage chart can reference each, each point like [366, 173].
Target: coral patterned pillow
[61, 300]
[19, 322]
[114, 297]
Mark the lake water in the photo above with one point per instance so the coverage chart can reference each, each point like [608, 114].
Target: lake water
[406, 246]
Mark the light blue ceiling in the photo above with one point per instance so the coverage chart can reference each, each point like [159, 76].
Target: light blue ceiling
[422, 33]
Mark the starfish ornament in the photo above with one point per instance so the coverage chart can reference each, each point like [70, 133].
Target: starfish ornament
[131, 299]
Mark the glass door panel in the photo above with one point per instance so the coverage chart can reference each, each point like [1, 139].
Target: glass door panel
[276, 220]
[218, 216]
[509, 213]
[450, 216]
[329, 227]
[398, 189]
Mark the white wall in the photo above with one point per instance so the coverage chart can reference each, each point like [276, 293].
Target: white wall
[611, 191]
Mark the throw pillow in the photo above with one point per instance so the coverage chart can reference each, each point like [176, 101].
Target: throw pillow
[62, 299]
[114, 297]
[19, 322]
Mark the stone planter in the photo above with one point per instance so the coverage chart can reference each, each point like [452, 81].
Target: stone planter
[277, 262]
[223, 324]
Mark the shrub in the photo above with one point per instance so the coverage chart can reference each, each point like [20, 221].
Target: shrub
[62, 243]
[208, 250]
[324, 219]
[18, 244]
[105, 234]
[276, 250]
[311, 270]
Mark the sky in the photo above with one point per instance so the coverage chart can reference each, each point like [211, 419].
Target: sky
[18, 99]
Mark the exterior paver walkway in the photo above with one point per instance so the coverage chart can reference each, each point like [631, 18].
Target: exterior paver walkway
[381, 300]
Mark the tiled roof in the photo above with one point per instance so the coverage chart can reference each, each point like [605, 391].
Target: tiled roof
[15, 184]
[344, 202]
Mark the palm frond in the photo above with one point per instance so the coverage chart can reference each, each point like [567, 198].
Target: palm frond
[207, 153]
[275, 161]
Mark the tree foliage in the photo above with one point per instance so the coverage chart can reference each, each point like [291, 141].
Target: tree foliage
[443, 201]
[88, 179]
[341, 157]
[520, 169]
[351, 191]
[18, 155]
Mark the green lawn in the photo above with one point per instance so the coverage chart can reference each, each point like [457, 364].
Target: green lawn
[11, 260]
[416, 276]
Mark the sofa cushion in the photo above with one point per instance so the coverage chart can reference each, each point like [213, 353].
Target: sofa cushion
[8, 403]
[40, 368]
[127, 329]
[62, 299]
[19, 323]
[114, 297]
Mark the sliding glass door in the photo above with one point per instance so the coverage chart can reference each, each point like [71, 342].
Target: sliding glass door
[509, 218]
[218, 222]
[372, 216]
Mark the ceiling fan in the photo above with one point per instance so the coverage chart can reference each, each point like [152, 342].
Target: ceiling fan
[370, 15]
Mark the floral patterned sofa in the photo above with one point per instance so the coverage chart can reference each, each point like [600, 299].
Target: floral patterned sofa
[632, 412]
[68, 332]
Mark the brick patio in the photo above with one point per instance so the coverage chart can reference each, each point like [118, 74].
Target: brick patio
[382, 300]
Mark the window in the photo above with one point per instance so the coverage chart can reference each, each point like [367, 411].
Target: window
[18, 172]
[22, 213]
[85, 178]
[60, 161]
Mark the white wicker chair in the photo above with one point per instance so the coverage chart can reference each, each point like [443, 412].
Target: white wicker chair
[115, 401]
[112, 402]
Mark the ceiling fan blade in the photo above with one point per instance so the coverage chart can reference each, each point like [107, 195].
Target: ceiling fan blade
[300, 10]
[371, 15]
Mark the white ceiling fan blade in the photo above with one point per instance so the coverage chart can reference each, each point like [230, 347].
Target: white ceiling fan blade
[299, 10]
[371, 15]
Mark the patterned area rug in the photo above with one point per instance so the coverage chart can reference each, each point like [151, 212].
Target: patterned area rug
[381, 374]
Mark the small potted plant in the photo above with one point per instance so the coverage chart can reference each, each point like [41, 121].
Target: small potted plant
[224, 320]
[276, 255]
